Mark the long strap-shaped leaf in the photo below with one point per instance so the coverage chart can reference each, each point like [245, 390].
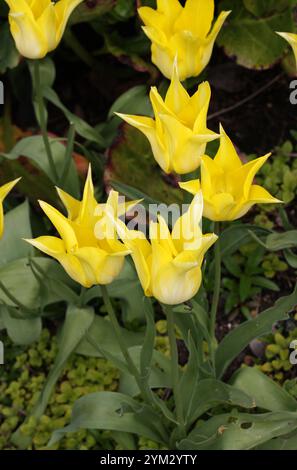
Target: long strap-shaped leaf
[240, 337]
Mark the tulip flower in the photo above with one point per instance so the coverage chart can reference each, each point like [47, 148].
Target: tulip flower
[169, 265]
[4, 190]
[88, 249]
[182, 31]
[292, 40]
[178, 135]
[227, 183]
[37, 26]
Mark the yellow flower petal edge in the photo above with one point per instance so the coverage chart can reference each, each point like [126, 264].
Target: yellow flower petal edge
[292, 40]
[227, 184]
[169, 263]
[4, 190]
[178, 134]
[88, 248]
[185, 32]
[37, 26]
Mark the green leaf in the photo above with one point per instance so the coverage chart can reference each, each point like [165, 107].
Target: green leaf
[249, 35]
[102, 333]
[291, 258]
[82, 128]
[210, 393]
[19, 280]
[265, 283]
[265, 392]
[240, 431]
[20, 331]
[288, 442]
[33, 149]
[17, 226]
[160, 376]
[115, 412]
[237, 235]
[77, 323]
[146, 355]
[281, 241]
[235, 341]
[9, 56]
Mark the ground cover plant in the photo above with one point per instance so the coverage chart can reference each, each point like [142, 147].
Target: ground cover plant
[148, 248]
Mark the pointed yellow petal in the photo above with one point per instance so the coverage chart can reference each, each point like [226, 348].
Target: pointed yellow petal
[292, 40]
[184, 148]
[47, 23]
[227, 157]
[196, 17]
[99, 267]
[29, 38]
[51, 246]
[186, 233]
[177, 96]
[72, 205]
[63, 10]
[6, 188]
[192, 187]
[62, 225]
[88, 204]
[246, 174]
[260, 195]
[147, 127]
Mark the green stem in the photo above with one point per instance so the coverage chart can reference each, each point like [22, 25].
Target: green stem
[7, 123]
[12, 298]
[42, 120]
[117, 330]
[217, 289]
[68, 154]
[175, 370]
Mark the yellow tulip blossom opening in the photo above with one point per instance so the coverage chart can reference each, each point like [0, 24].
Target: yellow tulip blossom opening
[89, 249]
[4, 190]
[169, 265]
[292, 40]
[37, 26]
[183, 31]
[178, 135]
[227, 183]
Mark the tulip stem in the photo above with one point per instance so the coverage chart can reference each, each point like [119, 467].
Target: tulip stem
[117, 330]
[175, 369]
[216, 292]
[68, 155]
[43, 120]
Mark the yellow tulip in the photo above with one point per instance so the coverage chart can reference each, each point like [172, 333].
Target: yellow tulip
[4, 190]
[182, 31]
[88, 249]
[227, 183]
[292, 40]
[169, 265]
[37, 26]
[178, 135]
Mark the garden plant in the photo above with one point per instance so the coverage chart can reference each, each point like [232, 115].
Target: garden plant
[148, 250]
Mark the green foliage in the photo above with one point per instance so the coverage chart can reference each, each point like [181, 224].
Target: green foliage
[277, 355]
[250, 33]
[247, 276]
[22, 380]
[279, 174]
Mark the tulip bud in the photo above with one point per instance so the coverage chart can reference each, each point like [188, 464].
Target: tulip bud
[38, 26]
[184, 32]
